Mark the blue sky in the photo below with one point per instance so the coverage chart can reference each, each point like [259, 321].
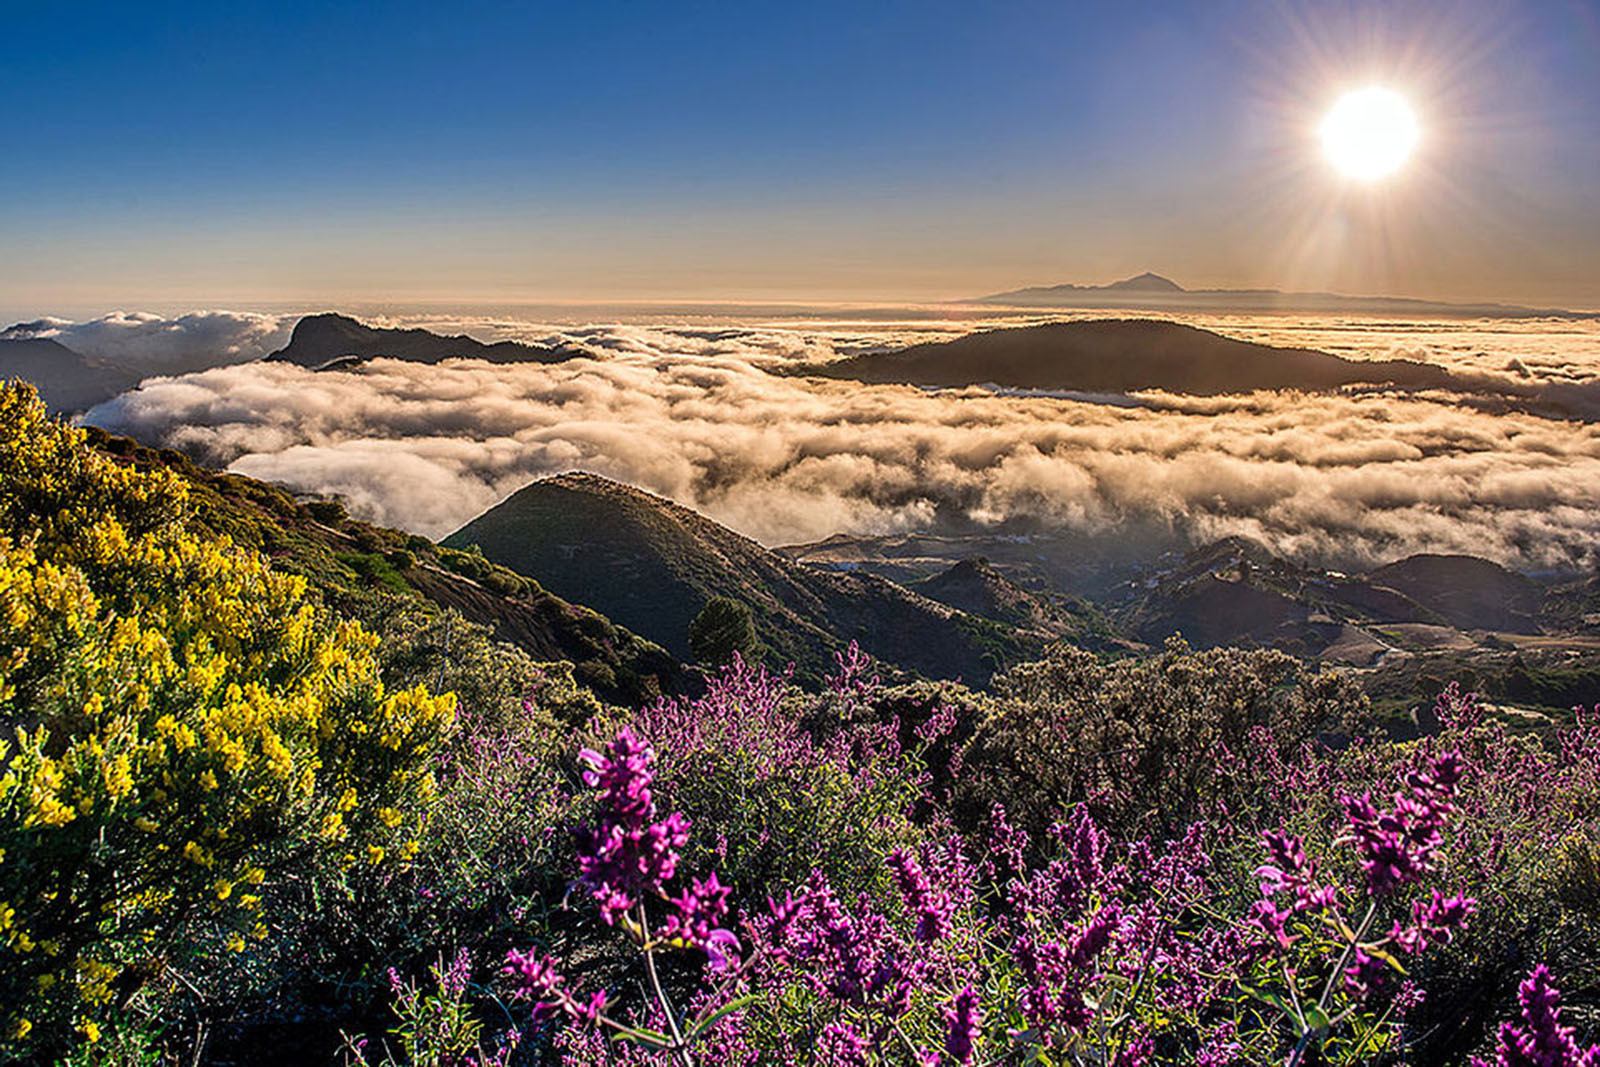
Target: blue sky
[227, 153]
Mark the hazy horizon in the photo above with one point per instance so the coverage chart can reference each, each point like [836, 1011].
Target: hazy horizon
[213, 157]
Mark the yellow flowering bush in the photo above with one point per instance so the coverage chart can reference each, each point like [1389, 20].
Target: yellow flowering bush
[178, 724]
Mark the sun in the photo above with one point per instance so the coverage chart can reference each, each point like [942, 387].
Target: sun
[1369, 133]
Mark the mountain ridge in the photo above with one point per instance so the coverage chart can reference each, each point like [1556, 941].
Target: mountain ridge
[67, 381]
[1153, 292]
[1121, 356]
[331, 341]
[652, 564]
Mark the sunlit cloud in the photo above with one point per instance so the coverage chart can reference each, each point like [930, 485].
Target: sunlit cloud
[153, 344]
[1343, 479]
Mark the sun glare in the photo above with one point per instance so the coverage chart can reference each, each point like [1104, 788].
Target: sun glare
[1369, 133]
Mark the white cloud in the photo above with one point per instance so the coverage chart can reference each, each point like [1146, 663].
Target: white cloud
[1342, 479]
[150, 344]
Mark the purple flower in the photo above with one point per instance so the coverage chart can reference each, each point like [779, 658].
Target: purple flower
[1397, 847]
[931, 905]
[1096, 935]
[533, 974]
[534, 977]
[1291, 871]
[1272, 921]
[627, 853]
[697, 918]
[964, 1025]
[1434, 921]
[1539, 1040]
[941, 722]
[1364, 973]
[1136, 1053]
[842, 1045]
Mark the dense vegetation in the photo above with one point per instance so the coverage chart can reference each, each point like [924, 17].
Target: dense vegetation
[437, 604]
[236, 829]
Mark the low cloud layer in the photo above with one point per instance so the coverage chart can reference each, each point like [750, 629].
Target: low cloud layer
[1338, 479]
[151, 344]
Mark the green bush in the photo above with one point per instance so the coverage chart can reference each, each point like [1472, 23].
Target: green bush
[179, 725]
[1145, 743]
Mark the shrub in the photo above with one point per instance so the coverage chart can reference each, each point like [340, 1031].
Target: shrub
[1145, 743]
[769, 802]
[724, 628]
[327, 512]
[183, 726]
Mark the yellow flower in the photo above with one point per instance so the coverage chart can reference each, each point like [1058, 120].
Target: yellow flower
[90, 1030]
[374, 854]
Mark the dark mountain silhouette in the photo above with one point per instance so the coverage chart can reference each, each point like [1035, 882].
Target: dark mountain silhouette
[977, 588]
[1146, 283]
[68, 382]
[331, 341]
[1152, 292]
[1121, 355]
[1466, 592]
[652, 565]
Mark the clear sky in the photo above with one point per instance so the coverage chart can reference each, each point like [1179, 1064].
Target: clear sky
[227, 152]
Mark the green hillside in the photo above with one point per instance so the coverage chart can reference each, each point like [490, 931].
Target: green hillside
[653, 565]
[437, 604]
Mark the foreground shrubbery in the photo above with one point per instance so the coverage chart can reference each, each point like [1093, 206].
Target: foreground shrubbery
[227, 840]
[182, 727]
[1323, 940]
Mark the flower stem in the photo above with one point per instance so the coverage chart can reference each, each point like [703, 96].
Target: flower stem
[678, 1045]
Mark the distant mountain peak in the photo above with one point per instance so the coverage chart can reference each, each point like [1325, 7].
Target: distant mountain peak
[1122, 356]
[331, 341]
[1147, 283]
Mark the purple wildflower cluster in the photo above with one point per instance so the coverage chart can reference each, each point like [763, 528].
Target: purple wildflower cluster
[1081, 944]
[628, 853]
[1398, 845]
[627, 856]
[1300, 918]
[930, 904]
[1540, 1039]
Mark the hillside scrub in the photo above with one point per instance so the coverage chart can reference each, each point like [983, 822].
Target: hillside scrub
[1373, 903]
[182, 727]
[236, 830]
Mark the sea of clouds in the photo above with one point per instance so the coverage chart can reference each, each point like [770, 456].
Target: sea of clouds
[702, 414]
[153, 344]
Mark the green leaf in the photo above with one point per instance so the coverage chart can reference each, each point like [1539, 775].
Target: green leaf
[645, 1036]
[1388, 958]
[711, 1020]
[1266, 996]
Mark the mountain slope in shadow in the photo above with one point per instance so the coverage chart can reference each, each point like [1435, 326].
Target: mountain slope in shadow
[652, 565]
[67, 382]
